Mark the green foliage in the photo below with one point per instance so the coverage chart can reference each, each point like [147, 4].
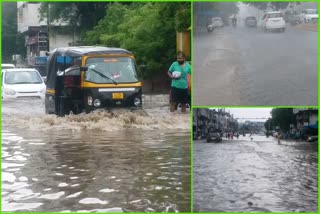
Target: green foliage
[12, 41]
[82, 16]
[274, 5]
[282, 117]
[182, 19]
[148, 29]
[268, 124]
[227, 8]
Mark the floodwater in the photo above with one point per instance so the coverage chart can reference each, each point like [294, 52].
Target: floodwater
[246, 66]
[100, 162]
[255, 176]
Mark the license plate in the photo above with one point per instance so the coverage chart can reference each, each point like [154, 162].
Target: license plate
[117, 96]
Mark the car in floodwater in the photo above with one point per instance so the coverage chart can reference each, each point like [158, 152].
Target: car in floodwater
[86, 78]
[216, 22]
[22, 83]
[309, 16]
[6, 66]
[251, 21]
[273, 21]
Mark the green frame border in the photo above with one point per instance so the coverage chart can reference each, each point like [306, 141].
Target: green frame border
[191, 111]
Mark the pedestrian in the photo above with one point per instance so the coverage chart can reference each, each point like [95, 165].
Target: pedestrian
[178, 72]
[279, 137]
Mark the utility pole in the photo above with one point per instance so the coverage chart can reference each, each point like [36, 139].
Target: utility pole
[48, 26]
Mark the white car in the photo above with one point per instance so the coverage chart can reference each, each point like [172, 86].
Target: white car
[22, 83]
[5, 66]
[216, 22]
[273, 21]
[309, 15]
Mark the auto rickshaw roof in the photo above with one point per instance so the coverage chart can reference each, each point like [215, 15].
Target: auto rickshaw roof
[86, 50]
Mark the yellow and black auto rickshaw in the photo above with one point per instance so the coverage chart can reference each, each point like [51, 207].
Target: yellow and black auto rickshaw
[88, 78]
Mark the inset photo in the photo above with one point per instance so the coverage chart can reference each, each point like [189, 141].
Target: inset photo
[255, 53]
[255, 160]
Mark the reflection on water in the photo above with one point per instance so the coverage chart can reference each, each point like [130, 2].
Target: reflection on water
[100, 162]
[258, 176]
[128, 170]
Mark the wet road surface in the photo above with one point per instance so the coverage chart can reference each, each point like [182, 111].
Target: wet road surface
[255, 176]
[245, 66]
[124, 162]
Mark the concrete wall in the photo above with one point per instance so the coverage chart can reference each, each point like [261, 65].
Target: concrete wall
[28, 15]
[59, 40]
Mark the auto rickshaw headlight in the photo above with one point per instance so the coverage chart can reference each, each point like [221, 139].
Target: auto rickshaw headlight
[137, 101]
[97, 103]
[90, 101]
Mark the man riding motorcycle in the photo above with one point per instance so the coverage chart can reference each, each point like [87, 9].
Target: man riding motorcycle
[234, 21]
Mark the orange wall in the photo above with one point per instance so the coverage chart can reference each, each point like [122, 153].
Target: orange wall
[184, 42]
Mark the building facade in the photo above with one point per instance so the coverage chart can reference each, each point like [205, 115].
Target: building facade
[305, 117]
[205, 119]
[40, 36]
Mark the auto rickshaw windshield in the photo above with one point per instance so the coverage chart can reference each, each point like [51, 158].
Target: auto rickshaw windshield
[110, 70]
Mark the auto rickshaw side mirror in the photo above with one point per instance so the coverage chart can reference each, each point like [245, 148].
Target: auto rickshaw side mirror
[83, 68]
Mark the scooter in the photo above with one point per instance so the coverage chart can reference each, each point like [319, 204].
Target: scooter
[210, 28]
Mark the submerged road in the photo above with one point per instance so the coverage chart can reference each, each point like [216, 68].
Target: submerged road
[259, 175]
[246, 66]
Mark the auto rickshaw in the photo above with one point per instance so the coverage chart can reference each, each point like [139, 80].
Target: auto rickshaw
[88, 77]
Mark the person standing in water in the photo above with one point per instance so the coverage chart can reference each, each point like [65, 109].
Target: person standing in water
[178, 72]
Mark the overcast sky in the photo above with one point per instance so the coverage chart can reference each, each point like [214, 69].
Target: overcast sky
[250, 113]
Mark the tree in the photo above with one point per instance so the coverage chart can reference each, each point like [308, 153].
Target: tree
[205, 10]
[82, 16]
[268, 125]
[12, 41]
[226, 7]
[282, 117]
[146, 28]
[265, 5]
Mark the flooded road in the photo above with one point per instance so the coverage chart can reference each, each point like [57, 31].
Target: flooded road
[246, 66]
[255, 176]
[101, 162]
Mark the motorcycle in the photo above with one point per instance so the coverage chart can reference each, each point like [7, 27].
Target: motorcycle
[234, 24]
[210, 28]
